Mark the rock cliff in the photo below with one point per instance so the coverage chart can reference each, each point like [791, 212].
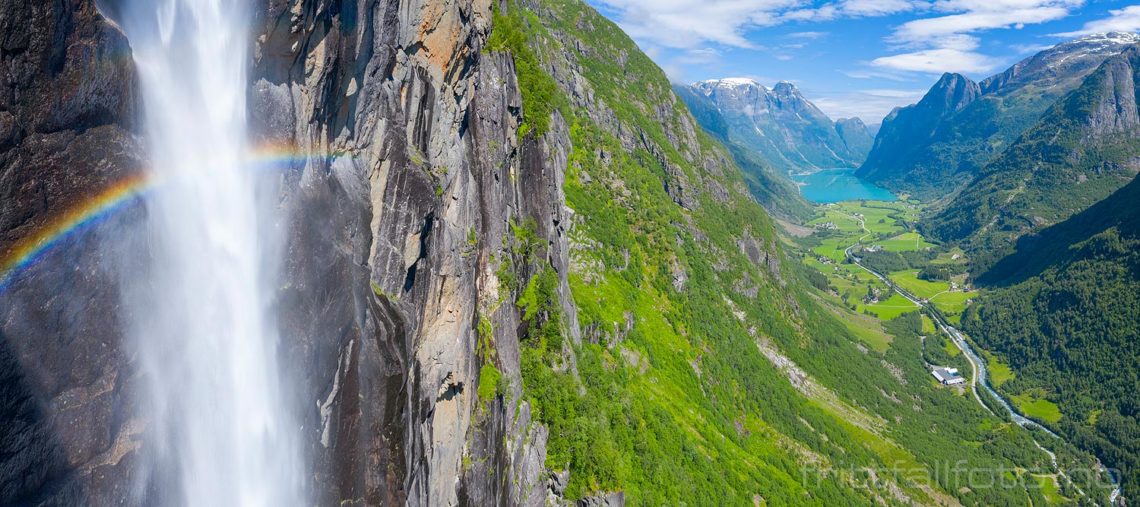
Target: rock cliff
[405, 174]
[67, 120]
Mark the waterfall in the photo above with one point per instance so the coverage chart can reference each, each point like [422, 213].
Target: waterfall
[221, 430]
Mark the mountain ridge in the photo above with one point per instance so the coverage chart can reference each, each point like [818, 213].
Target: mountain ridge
[953, 145]
[1081, 150]
[786, 128]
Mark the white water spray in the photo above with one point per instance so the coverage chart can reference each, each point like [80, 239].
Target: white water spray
[221, 430]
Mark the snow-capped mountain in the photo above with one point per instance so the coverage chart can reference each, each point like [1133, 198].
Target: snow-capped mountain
[944, 141]
[782, 125]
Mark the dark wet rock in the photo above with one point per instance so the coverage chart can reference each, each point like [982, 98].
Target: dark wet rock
[66, 120]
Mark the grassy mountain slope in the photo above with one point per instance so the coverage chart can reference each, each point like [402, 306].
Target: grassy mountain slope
[1064, 313]
[775, 192]
[706, 373]
[1084, 148]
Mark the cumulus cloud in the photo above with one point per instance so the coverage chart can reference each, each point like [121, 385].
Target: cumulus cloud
[1119, 20]
[946, 41]
[984, 16]
[690, 23]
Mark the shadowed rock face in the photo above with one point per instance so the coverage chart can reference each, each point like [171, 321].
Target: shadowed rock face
[67, 115]
[406, 170]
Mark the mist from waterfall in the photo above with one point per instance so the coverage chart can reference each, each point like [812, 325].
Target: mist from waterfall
[221, 430]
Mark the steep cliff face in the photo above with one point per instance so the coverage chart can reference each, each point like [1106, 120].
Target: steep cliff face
[405, 178]
[66, 137]
[907, 130]
[408, 139]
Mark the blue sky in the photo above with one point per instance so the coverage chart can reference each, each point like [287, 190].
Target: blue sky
[856, 57]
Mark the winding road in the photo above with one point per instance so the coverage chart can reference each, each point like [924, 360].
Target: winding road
[980, 374]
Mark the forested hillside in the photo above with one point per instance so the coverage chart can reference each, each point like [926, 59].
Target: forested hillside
[940, 144]
[706, 373]
[1063, 311]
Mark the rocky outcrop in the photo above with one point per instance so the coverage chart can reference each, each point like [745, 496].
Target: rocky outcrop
[919, 122]
[404, 177]
[409, 176]
[1114, 112]
[66, 137]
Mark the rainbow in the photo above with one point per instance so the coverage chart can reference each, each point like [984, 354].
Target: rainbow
[118, 196]
[25, 251]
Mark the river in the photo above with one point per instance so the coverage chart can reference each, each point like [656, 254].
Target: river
[978, 364]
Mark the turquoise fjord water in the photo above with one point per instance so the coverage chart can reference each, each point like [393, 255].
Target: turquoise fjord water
[835, 185]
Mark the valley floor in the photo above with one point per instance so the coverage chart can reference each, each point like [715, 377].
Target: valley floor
[872, 269]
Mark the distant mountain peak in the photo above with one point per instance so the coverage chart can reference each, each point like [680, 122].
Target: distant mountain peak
[731, 82]
[785, 127]
[1075, 57]
[952, 92]
[1110, 37]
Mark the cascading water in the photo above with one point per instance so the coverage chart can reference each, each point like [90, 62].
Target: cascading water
[221, 431]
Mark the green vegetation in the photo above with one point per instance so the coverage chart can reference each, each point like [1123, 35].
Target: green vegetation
[1050, 489]
[489, 382]
[1062, 310]
[1000, 372]
[1055, 169]
[1039, 409]
[909, 281]
[540, 94]
[907, 241]
[681, 390]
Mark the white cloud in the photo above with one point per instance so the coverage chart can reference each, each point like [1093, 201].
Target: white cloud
[980, 19]
[691, 23]
[937, 61]
[947, 42]
[807, 35]
[869, 105]
[698, 56]
[1119, 20]
[852, 9]
[879, 7]
[1025, 49]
